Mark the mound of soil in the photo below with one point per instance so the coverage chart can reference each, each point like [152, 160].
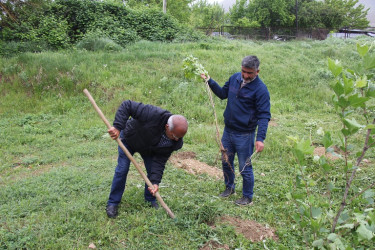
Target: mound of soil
[321, 151]
[188, 162]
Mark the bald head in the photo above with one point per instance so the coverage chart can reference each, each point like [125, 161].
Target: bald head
[177, 126]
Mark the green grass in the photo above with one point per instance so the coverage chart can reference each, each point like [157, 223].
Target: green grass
[57, 161]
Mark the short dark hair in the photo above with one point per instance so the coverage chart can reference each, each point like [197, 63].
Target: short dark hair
[251, 62]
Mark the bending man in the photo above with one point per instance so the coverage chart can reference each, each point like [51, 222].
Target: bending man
[152, 132]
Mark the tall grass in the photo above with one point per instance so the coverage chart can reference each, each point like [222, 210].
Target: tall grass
[57, 161]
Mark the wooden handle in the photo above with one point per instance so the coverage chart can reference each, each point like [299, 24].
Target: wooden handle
[148, 182]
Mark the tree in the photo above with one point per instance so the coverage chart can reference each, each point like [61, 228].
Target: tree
[179, 9]
[332, 14]
[276, 13]
[238, 11]
[206, 15]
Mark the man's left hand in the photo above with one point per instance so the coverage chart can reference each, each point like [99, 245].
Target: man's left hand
[259, 146]
[153, 191]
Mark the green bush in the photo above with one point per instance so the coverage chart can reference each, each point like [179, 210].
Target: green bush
[153, 25]
[93, 43]
[8, 49]
[110, 27]
[66, 22]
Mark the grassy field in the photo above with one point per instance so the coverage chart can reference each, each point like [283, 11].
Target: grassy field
[57, 161]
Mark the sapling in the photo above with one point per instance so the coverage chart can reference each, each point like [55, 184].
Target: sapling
[193, 70]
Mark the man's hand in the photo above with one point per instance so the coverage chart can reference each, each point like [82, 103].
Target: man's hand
[259, 146]
[114, 133]
[204, 77]
[153, 191]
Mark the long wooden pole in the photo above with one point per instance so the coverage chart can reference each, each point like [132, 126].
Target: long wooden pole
[148, 182]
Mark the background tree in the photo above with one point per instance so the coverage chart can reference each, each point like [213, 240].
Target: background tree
[179, 9]
[207, 15]
[276, 13]
[332, 14]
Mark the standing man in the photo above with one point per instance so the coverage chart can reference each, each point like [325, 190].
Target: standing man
[248, 107]
[152, 132]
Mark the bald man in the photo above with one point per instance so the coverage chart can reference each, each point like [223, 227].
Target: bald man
[152, 132]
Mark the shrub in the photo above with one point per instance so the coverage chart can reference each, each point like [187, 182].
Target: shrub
[8, 49]
[93, 43]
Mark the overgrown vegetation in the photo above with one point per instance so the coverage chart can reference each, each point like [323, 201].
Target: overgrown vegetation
[57, 160]
[64, 23]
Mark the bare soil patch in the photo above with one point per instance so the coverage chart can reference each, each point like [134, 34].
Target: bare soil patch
[251, 230]
[188, 162]
[321, 151]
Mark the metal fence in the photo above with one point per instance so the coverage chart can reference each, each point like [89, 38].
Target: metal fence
[276, 33]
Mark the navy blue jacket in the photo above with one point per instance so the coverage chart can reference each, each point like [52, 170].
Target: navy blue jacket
[143, 131]
[248, 107]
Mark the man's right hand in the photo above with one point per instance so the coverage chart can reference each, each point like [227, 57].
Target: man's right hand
[204, 77]
[114, 133]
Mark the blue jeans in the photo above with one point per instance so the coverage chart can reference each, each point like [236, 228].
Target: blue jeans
[242, 144]
[121, 172]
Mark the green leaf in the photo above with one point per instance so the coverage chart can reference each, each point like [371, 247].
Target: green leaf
[343, 102]
[348, 85]
[352, 125]
[350, 226]
[362, 50]
[334, 67]
[318, 243]
[357, 101]
[364, 233]
[370, 126]
[369, 193]
[361, 82]
[338, 88]
[316, 212]
[327, 140]
[369, 61]
[332, 236]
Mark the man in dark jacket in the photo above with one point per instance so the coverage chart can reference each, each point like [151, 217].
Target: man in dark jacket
[152, 132]
[248, 108]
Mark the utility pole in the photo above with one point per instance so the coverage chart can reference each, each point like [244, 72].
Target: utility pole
[164, 6]
[296, 18]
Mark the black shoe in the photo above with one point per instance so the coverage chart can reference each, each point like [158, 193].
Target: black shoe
[244, 201]
[228, 191]
[154, 205]
[111, 211]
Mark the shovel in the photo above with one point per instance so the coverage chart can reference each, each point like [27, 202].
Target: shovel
[148, 182]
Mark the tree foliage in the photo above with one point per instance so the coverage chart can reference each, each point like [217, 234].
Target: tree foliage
[207, 15]
[62, 23]
[310, 13]
[332, 14]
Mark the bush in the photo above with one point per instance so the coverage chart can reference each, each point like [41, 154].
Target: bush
[93, 43]
[186, 34]
[8, 49]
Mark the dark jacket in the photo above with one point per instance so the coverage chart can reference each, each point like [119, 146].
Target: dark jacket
[142, 133]
[248, 107]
